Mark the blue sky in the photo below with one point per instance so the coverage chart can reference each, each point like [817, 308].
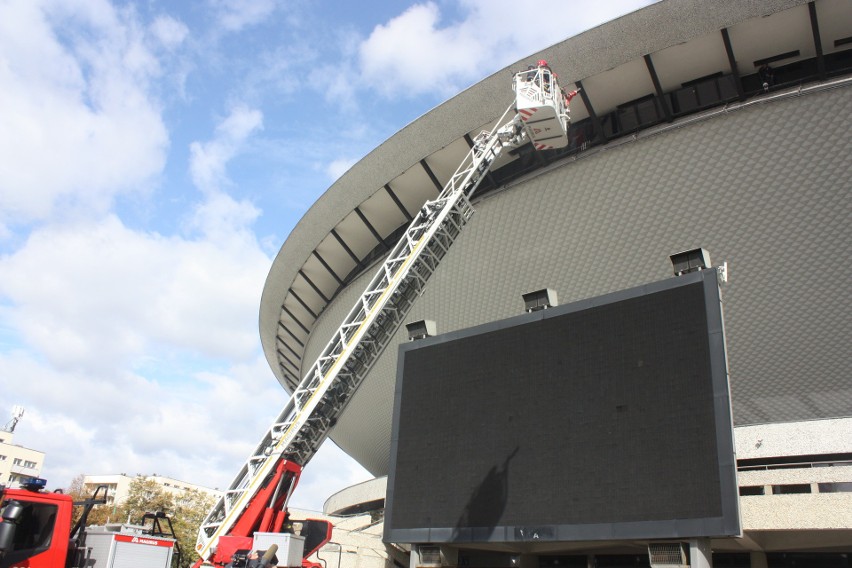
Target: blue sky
[154, 156]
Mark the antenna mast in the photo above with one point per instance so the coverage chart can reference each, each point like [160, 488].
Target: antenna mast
[17, 413]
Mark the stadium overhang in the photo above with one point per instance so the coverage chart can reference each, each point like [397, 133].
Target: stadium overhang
[654, 67]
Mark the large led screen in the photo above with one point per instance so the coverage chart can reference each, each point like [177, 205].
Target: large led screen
[606, 419]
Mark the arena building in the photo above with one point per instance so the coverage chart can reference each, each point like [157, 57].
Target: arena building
[722, 125]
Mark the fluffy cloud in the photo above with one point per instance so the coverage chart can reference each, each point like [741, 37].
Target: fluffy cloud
[141, 347]
[234, 15]
[329, 471]
[199, 428]
[413, 54]
[96, 297]
[78, 123]
[168, 31]
[339, 167]
[419, 52]
[209, 159]
[94, 424]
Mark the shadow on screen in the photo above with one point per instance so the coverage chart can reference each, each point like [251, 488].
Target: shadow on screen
[486, 505]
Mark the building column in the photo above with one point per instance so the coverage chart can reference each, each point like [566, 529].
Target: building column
[528, 561]
[757, 559]
[433, 555]
[449, 556]
[700, 553]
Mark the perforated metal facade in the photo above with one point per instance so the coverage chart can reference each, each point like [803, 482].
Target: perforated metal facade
[764, 184]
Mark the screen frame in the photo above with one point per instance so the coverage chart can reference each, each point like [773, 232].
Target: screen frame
[728, 524]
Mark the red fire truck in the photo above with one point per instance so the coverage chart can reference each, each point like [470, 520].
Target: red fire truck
[36, 532]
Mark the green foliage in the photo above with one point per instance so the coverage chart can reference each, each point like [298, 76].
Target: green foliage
[145, 496]
[189, 512]
[99, 515]
[186, 510]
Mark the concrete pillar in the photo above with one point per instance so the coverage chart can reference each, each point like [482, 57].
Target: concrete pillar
[528, 561]
[757, 558]
[700, 553]
[415, 559]
[449, 556]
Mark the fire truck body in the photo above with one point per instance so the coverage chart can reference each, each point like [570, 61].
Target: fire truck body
[106, 548]
[36, 532]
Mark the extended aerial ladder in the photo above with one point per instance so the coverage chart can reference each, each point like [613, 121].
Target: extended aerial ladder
[540, 115]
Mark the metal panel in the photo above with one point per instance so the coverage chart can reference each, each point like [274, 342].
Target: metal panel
[356, 235]
[781, 32]
[834, 17]
[765, 188]
[608, 416]
[129, 555]
[382, 213]
[413, 187]
[290, 547]
[698, 57]
[624, 83]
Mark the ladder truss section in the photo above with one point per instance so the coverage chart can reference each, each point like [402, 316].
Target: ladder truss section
[329, 384]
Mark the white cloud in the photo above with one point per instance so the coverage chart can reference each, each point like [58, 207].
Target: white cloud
[208, 160]
[199, 429]
[169, 31]
[220, 218]
[329, 471]
[417, 52]
[100, 296]
[234, 15]
[78, 123]
[413, 54]
[339, 167]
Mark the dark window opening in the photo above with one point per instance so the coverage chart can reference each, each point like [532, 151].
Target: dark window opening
[774, 58]
[791, 489]
[563, 561]
[362, 508]
[839, 62]
[808, 559]
[622, 561]
[803, 461]
[636, 101]
[705, 78]
[731, 560]
[835, 487]
[752, 490]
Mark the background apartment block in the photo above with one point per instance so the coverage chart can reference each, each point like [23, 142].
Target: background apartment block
[17, 463]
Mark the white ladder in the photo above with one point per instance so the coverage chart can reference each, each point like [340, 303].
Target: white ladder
[326, 388]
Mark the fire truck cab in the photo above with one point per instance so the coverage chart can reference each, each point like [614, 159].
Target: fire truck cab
[31, 525]
[36, 532]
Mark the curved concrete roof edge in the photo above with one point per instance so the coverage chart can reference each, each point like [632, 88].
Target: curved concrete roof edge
[644, 31]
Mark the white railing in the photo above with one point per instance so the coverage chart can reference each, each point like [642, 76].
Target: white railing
[329, 383]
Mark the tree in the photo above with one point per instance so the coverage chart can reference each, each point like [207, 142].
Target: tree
[145, 496]
[99, 515]
[186, 510]
[190, 510]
